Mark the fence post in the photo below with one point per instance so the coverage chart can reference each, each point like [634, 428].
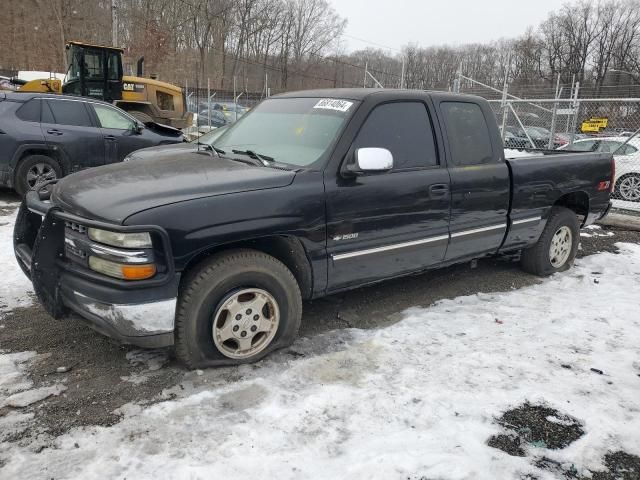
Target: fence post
[576, 107]
[505, 108]
[366, 67]
[553, 116]
[208, 103]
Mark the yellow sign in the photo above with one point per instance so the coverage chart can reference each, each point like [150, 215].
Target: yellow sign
[594, 124]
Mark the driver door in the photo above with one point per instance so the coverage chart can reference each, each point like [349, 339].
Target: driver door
[389, 223]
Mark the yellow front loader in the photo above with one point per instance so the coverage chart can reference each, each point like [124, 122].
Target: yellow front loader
[96, 71]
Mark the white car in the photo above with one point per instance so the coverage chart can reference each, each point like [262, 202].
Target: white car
[627, 158]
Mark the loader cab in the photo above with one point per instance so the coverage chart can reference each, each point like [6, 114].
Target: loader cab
[94, 71]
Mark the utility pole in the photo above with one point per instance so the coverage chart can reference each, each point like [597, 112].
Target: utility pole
[114, 24]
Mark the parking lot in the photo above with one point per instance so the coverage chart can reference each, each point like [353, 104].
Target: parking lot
[411, 350]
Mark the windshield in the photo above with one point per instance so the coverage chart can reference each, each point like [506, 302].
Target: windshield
[210, 137]
[296, 131]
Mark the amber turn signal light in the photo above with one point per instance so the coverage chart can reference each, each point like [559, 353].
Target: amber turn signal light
[138, 272]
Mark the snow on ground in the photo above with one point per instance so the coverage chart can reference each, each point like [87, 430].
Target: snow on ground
[418, 398]
[15, 287]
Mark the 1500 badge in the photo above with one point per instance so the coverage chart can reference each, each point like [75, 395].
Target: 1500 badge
[347, 236]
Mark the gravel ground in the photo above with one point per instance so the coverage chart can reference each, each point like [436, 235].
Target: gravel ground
[101, 376]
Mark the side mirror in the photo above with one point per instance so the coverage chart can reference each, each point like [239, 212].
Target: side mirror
[137, 128]
[370, 160]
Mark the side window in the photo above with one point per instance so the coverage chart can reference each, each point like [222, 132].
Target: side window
[165, 101]
[30, 111]
[628, 150]
[585, 146]
[468, 133]
[111, 118]
[93, 65]
[70, 112]
[113, 72]
[405, 130]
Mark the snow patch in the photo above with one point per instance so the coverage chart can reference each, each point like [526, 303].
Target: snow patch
[12, 373]
[28, 397]
[15, 288]
[419, 398]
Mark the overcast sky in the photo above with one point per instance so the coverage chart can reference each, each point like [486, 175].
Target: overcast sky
[395, 23]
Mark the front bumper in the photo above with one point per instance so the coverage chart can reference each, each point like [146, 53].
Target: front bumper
[140, 313]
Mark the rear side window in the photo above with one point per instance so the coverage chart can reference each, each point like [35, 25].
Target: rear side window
[165, 101]
[468, 133]
[112, 118]
[405, 130]
[585, 146]
[70, 112]
[30, 111]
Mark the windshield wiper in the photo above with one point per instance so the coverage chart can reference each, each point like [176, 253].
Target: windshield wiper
[257, 156]
[206, 146]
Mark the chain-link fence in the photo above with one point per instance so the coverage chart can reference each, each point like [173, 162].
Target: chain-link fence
[587, 125]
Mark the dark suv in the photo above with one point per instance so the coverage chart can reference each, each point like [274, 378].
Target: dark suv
[44, 137]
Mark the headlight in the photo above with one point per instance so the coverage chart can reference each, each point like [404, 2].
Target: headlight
[118, 239]
[120, 270]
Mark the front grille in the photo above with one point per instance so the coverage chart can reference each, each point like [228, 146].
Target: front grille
[76, 227]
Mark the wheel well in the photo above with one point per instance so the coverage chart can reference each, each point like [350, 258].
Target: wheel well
[576, 201]
[287, 249]
[41, 151]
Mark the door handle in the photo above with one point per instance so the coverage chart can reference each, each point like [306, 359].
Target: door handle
[111, 138]
[438, 190]
[54, 131]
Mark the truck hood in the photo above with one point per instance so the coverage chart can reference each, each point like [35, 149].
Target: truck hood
[114, 192]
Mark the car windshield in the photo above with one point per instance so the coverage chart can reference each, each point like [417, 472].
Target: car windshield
[210, 137]
[295, 131]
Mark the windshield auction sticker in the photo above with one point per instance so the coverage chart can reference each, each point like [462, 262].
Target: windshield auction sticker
[332, 104]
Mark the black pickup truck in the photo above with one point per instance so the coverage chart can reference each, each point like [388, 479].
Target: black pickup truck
[213, 249]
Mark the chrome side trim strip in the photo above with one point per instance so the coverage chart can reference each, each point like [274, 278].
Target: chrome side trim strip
[478, 230]
[369, 251]
[527, 220]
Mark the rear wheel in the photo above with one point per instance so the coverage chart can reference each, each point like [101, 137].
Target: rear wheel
[557, 246]
[628, 188]
[236, 307]
[35, 170]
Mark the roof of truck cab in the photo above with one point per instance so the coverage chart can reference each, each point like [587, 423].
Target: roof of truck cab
[360, 94]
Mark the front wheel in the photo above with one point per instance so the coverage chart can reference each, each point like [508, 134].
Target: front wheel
[236, 307]
[557, 246]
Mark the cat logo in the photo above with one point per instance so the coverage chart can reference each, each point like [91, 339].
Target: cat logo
[133, 87]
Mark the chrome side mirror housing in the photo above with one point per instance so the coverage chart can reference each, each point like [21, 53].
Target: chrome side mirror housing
[370, 160]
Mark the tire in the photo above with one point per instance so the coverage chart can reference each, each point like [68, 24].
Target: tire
[540, 259]
[628, 188]
[207, 314]
[143, 117]
[34, 169]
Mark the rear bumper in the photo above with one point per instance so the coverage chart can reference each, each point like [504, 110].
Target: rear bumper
[141, 314]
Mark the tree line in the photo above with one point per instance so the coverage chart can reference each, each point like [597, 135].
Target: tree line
[291, 44]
